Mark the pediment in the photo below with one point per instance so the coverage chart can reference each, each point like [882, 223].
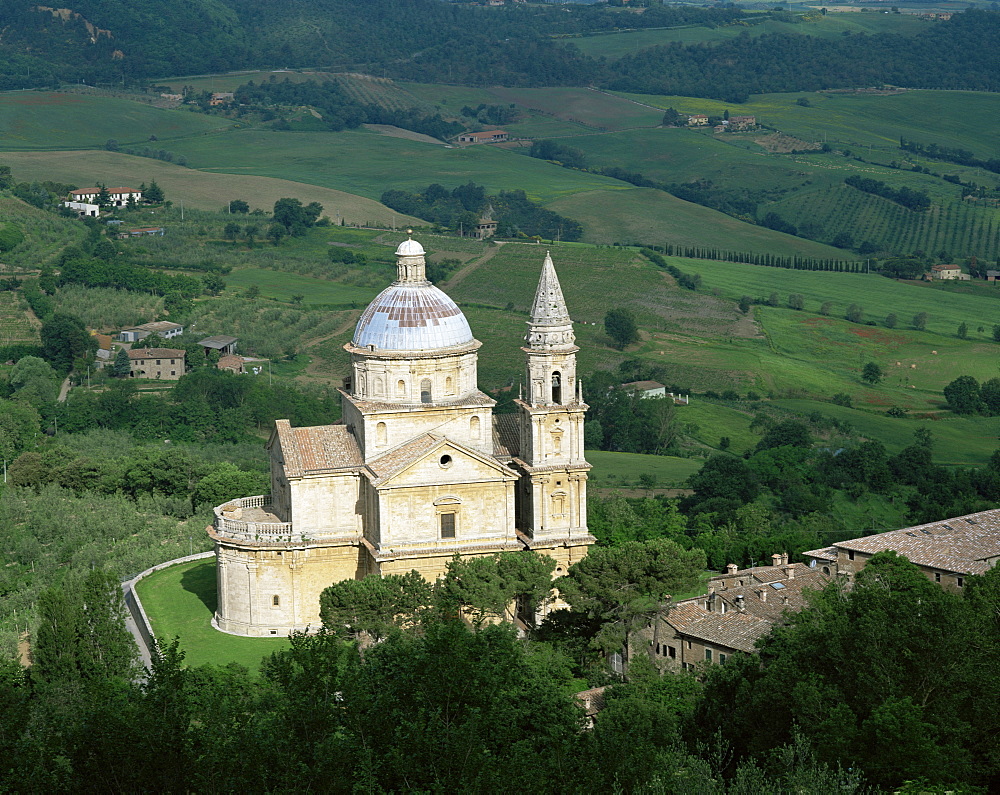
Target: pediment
[436, 460]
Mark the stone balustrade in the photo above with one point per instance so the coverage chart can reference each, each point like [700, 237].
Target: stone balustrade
[247, 519]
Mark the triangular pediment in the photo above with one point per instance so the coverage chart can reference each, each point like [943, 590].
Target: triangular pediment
[432, 459]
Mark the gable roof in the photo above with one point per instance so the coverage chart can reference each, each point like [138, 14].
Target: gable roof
[156, 353]
[735, 630]
[506, 436]
[317, 449]
[401, 458]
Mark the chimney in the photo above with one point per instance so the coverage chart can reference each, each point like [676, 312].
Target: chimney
[789, 572]
[762, 593]
[739, 603]
[776, 559]
[784, 558]
[732, 568]
[784, 599]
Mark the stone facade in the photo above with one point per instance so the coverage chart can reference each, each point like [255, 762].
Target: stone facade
[418, 469]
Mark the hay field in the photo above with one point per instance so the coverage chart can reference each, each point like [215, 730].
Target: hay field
[198, 189]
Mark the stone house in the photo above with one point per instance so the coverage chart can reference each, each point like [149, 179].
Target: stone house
[165, 364]
[948, 272]
[947, 552]
[741, 607]
[742, 122]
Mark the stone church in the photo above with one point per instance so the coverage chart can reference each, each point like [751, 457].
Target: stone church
[418, 469]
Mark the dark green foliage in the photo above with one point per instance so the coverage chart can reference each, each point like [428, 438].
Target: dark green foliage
[787, 432]
[905, 196]
[920, 321]
[64, 341]
[10, 236]
[963, 395]
[855, 314]
[567, 156]
[619, 324]
[490, 587]
[375, 605]
[891, 320]
[872, 374]
[153, 193]
[842, 399]
[294, 217]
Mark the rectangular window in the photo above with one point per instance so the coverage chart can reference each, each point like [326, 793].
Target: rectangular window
[708, 655]
[671, 652]
[689, 644]
[937, 576]
[850, 554]
[961, 582]
[157, 361]
[722, 658]
[173, 372]
[447, 525]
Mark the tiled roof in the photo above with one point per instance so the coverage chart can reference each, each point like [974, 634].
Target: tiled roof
[397, 459]
[506, 435]
[230, 362]
[643, 386]
[967, 544]
[317, 449]
[218, 341]
[475, 398]
[826, 553]
[735, 630]
[156, 353]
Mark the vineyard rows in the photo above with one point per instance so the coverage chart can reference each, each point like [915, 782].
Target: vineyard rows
[375, 91]
[14, 323]
[955, 227]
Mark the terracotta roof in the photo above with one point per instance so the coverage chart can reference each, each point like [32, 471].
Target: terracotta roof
[103, 341]
[732, 629]
[156, 353]
[317, 449]
[826, 553]
[230, 362]
[397, 459]
[592, 700]
[506, 435]
[966, 545]
[96, 190]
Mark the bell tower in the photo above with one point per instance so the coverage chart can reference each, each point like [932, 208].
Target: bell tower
[552, 500]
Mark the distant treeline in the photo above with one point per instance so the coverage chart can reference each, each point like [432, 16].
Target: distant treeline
[916, 200]
[461, 208]
[339, 110]
[950, 154]
[112, 41]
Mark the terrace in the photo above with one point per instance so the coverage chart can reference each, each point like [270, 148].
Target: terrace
[248, 519]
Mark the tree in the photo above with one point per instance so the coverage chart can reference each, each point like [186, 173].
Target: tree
[963, 331]
[671, 118]
[996, 333]
[250, 232]
[122, 368]
[239, 206]
[963, 395]
[252, 292]
[64, 340]
[224, 482]
[231, 231]
[153, 194]
[826, 308]
[488, 586]
[786, 433]
[872, 374]
[619, 324]
[989, 392]
[19, 425]
[920, 321]
[796, 301]
[34, 381]
[374, 605]
[275, 233]
[214, 283]
[624, 585]
[855, 314]
[103, 197]
[891, 320]
[745, 303]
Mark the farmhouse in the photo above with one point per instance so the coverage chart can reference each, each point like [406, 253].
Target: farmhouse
[947, 552]
[485, 137]
[652, 389]
[697, 120]
[742, 122]
[162, 328]
[119, 197]
[419, 470]
[486, 227]
[161, 363]
[220, 98]
[948, 272]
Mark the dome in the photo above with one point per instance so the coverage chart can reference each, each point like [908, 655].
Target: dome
[412, 317]
[410, 248]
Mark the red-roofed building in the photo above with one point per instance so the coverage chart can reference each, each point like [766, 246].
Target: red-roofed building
[119, 196]
[485, 137]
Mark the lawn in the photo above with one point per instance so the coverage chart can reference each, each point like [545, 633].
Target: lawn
[624, 469]
[32, 120]
[282, 286]
[197, 189]
[181, 600]
[595, 109]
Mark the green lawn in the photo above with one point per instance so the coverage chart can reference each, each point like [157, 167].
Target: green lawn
[180, 601]
[53, 120]
[595, 109]
[624, 469]
[282, 286]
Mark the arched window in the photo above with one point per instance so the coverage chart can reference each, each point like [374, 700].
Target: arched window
[449, 388]
[381, 437]
[401, 388]
[474, 428]
[276, 601]
[379, 387]
[425, 391]
[556, 388]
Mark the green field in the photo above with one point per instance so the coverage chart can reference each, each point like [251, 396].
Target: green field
[32, 120]
[16, 322]
[595, 109]
[624, 469]
[282, 286]
[618, 44]
[180, 602]
[197, 189]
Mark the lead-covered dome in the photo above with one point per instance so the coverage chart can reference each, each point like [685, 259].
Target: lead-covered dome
[410, 317]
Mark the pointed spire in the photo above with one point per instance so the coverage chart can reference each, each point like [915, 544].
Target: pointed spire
[550, 325]
[549, 307]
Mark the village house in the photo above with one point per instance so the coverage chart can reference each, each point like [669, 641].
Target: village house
[485, 137]
[992, 276]
[160, 363]
[740, 607]
[652, 389]
[119, 197]
[697, 120]
[487, 227]
[947, 552]
[221, 343]
[164, 328]
[221, 98]
[742, 122]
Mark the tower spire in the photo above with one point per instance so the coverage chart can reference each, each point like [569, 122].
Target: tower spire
[550, 325]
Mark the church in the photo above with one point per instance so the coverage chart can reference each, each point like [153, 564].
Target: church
[418, 469]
